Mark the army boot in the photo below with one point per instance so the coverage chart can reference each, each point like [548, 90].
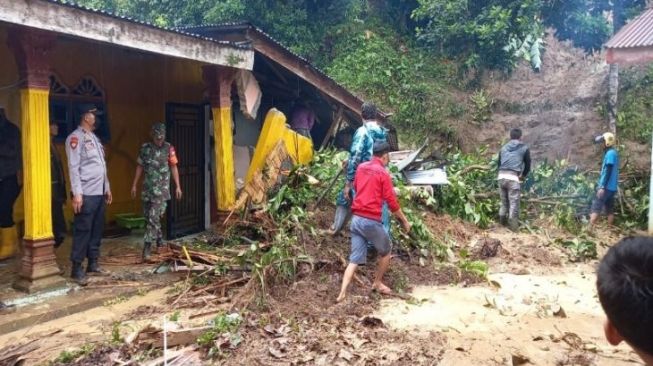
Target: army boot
[94, 269]
[159, 245]
[513, 225]
[147, 251]
[78, 275]
[503, 220]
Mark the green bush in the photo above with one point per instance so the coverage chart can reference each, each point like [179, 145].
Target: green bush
[635, 112]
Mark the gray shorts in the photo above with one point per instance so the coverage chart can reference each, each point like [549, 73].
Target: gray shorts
[364, 230]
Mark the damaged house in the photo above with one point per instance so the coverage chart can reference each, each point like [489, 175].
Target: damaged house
[224, 92]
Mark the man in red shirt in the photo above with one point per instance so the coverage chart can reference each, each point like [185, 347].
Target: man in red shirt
[373, 186]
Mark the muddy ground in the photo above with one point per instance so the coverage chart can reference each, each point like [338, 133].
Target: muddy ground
[536, 308]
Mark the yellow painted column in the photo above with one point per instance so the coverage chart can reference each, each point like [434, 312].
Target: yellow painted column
[225, 176]
[36, 163]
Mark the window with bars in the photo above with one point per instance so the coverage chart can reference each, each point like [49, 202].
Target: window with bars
[65, 102]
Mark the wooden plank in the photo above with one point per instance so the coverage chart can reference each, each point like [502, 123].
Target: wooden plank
[178, 337]
[301, 68]
[335, 125]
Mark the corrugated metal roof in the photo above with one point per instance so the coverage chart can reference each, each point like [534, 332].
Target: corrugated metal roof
[637, 33]
[246, 24]
[180, 31]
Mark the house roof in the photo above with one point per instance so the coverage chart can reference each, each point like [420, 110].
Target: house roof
[70, 18]
[637, 33]
[295, 62]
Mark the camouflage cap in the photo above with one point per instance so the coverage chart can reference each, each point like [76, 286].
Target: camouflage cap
[159, 130]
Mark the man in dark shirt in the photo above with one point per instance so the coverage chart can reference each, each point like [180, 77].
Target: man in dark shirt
[514, 165]
[58, 189]
[373, 187]
[10, 183]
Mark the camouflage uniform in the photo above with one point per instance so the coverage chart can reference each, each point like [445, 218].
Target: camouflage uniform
[156, 162]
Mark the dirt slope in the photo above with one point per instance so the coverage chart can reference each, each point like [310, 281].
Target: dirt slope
[556, 108]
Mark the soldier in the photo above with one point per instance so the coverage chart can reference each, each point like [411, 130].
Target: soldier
[157, 159]
[91, 192]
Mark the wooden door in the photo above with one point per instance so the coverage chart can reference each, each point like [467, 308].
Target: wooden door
[185, 131]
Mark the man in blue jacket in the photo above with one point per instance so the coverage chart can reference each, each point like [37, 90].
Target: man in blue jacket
[608, 181]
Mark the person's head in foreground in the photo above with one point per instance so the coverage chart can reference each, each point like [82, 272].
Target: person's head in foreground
[625, 287]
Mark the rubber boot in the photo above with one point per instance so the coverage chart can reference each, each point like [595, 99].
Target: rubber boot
[513, 225]
[503, 220]
[159, 246]
[8, 241]
[93, 268]
[78, 275]
[147, 251]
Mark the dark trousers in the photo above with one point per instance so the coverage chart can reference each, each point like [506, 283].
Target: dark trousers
[89, 225]
[9, 191]
[58, 223]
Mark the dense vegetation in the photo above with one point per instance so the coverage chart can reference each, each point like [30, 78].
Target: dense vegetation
[415, 58]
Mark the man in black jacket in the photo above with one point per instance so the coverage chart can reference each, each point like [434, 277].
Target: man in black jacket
[10, 183]
[514, 165]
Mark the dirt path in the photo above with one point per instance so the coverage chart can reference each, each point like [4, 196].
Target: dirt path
[537, 308]
[550, 316]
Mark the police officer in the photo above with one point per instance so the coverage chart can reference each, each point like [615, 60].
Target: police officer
[10, 183]
[91, 191]
[158, 159]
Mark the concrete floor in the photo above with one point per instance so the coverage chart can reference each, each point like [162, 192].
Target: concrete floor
[124, 279]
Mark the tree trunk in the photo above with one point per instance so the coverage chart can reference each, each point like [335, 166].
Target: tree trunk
[613, 94]
[613, 77]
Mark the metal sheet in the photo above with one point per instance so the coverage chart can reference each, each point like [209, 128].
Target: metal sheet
[427, 177]
[637, 33]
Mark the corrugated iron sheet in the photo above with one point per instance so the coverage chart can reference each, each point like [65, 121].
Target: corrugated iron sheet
[427, 177]
[75, 5]
[637, 33]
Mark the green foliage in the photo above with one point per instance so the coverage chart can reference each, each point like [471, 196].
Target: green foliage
[584, 21]
[482, 106]
[580, 248]
[475, 267]
[223, 335]
[69, 356]
[477, 32]
[409, 82]
[471, 178]
[175, 316]
[116, 338]
[635, 112]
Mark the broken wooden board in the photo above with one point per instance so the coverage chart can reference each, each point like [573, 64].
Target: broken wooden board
[176, 337]
[277, 166]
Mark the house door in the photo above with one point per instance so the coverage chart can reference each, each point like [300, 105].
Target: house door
[185, 131]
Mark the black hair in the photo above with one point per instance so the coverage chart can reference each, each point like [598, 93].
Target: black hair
[381, 148]
[625, 287]
[515, 134]
[369, 110]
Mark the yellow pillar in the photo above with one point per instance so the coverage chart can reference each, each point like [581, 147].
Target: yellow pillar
[218, 80]
[224, 157]
[38, 269]
[36, 163]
